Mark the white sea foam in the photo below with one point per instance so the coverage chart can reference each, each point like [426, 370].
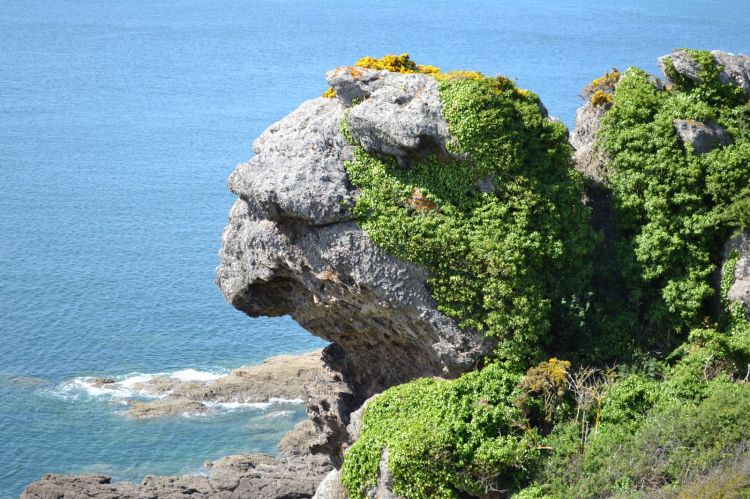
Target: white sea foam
[194, 375]
[133, 385]
[239, 406]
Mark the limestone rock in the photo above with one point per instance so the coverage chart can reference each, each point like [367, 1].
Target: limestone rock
[402, 115]
[331, 487]
[703, 137]
[354, 84]
[735, 68]
[291, 246]
[311, 187]
[384, 487]
[739, 292]
[282, 377]
[683, 63]
[589, 160]
[300, 440]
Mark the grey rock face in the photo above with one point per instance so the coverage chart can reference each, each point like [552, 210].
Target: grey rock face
[703, 137]
[296, 174]
[735, 68]
[331, 487]
[354, 84]
[683, 63]
[291, 246]
[739, 292]
[589, 160]
[402, 115]
[300, 440]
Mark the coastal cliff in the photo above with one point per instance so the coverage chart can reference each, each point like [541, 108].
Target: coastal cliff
[441, 233]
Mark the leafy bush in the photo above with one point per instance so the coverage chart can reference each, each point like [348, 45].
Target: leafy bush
[444, 438]
[514, 263]
[662, 448]
[672, 204]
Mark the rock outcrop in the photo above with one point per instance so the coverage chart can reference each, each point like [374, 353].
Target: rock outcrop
[294, 474]
[702, 137]
[590, 161]
[734, 68]
[234, 477]
[280, 377]
[292, 246]
[739, 292]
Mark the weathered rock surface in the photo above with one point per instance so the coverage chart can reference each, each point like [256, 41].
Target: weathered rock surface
[300, 440]
[331, 487]
[292, 247]
[279, 377]
[739, 292]
[702, 137]
[735, 67]
[589, 160]
[233, 477]
[402, 115]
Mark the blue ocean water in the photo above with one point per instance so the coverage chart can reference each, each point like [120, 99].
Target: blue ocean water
[119, 122]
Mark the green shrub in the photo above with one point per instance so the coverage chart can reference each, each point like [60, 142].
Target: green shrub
[511, 262]
[672, 204]
[444, 438]
[671, 443]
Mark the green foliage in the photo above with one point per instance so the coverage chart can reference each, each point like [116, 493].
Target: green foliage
[659, 448]
[673, 206]
[708, 86]
[444, 437]
[510, 262]
[513, 263]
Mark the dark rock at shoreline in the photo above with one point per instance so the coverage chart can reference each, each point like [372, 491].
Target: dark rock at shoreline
[233, 477]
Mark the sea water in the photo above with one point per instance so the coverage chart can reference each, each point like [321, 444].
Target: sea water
[119, 122]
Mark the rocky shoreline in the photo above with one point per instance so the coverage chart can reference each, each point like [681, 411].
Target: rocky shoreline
[292, 247]
[296, 472]
[282, 377]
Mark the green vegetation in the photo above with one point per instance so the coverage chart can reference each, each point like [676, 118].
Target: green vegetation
[514, 263]
[445, 436]
[673, 205]
[510, 262]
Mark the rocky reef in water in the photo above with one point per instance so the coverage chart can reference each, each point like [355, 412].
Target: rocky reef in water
[294, 246]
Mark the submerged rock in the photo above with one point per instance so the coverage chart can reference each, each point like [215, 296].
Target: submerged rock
[158, 408]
